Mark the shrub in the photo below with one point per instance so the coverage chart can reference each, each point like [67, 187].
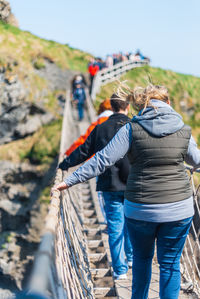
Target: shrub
[39, 64]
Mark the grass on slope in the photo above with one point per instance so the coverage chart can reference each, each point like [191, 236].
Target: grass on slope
[184, 91]
[40, 148]
[20, 54]
[28, 47]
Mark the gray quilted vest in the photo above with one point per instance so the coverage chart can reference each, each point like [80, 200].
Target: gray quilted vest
[158, 174]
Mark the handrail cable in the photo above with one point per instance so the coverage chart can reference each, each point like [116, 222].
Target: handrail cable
[61, 267]
[190, 267]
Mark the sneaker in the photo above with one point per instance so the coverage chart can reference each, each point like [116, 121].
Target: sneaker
[119, 276]
[130, 264]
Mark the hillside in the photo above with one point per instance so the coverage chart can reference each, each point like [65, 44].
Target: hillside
[184, 91]
[27, 48]
[34, 74]
[39, 70]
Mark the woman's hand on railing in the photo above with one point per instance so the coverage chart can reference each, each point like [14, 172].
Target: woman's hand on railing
[59, 187]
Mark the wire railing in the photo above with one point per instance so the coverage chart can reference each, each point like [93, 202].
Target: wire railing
[190, 260]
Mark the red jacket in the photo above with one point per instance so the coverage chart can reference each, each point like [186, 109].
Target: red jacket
[93, 69]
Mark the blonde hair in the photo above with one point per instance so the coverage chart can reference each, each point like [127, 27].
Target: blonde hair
[140, 97]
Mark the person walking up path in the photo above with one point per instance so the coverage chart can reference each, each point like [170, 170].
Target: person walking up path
[93, 69]
[80, 79]
[159, 202]
[79, 98]
[112, 184]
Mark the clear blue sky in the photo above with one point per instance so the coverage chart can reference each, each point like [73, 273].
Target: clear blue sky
[167, 31]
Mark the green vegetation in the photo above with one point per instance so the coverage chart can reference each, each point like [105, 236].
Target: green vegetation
[40, 149]
[184, 91]
[45, 146]
[45, 195]
[51, 101]
[28, 47]
[39, 63]
[6, 238]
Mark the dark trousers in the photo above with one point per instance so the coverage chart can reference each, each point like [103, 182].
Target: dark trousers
[91, 82]
[80, 107]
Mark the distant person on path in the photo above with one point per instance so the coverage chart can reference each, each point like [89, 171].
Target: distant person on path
[80, 79]
[115, 60]
[79, 98]
[112, 184]
[109, 61]
[159, 202]
[100, 63]
[93, 68]
[124, 58]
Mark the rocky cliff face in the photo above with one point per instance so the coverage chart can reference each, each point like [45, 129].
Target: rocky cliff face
[6, 14]
[21, 219]
[34, 75]
[21, 211]
[18, 117]
[18, 191]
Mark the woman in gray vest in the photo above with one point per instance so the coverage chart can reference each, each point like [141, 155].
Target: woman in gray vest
[159, 203]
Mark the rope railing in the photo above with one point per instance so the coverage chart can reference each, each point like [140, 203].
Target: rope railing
[190, 260]
[110, 74]
[61, 266]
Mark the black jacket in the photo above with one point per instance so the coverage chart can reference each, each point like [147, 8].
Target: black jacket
[115, 177]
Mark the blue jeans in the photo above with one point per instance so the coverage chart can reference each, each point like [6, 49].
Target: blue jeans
[170, 238]
[118, 237]
[80, 107]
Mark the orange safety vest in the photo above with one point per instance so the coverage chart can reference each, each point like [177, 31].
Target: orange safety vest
[83, 137]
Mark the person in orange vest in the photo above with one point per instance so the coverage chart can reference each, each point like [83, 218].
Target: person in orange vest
[105, 110]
